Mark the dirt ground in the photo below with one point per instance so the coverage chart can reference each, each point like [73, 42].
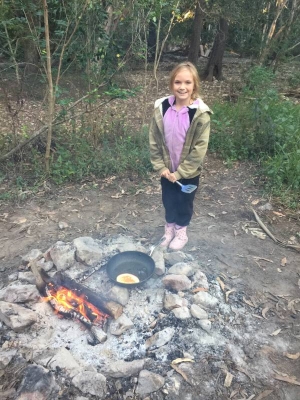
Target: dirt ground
[265, 274]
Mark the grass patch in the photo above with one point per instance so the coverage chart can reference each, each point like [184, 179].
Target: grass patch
[78, 155]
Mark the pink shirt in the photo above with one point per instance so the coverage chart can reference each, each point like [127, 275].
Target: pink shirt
[176, 124]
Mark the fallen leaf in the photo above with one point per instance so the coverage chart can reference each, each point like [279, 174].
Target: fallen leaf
[234, 393]
[283, 262]
[228, 293]
[251, 377]
[199, 289]
[278, 214]
[292, 356]
[291, 305]
[181, 373]
[264, 312]
[254, 202]
[20, 221]
[211, 215]
[258, 233]
[228, 379]
[180, 360]
[275, 333]
[221, 283]
[248, 302]
[287, 379]
[257, 316]
[264, 394]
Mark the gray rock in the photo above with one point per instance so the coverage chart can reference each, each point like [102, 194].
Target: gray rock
[38, 383]
[63, 255]
[123, 369]
[200, 280]
[119, 294]
[26, 276]
[88, 250]
[205, 324]
[198, 312]
[91, 383]
[158, 257]
[182, 313]
[16, 317]
[77, 271]
[160, 338]
[267, 206]
[20, 294]
[181, 268]
[46, 265]
[172, 301]
[175, 257]
[125, 243]
[13, 277]
[6, 356]
[120, 325]
[64, 360]
[99, 333]
[62, 225]
[205, 299]
[177, 282]
[149, 382]
[31, 256]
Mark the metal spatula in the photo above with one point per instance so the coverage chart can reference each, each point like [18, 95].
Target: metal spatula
[187, 188]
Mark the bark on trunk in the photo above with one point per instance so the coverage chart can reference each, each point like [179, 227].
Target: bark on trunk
[214, 65]
[197, 29]
[31, 56]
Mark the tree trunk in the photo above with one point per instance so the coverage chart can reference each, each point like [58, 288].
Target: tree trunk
[51, 94]
[266, 49]
[31, 56]
[197, 28]
[214, 65]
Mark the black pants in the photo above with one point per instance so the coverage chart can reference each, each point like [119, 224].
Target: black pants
[178, 205]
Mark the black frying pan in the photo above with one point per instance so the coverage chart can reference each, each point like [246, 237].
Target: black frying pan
[130, 262]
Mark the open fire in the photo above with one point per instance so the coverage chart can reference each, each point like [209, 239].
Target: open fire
[66, 301]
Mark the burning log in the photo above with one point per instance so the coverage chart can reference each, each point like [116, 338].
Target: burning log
[78, 300]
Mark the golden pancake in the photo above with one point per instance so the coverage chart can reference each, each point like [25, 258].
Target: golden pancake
[127, 278]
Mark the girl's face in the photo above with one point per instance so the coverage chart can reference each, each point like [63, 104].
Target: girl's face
[183, 87]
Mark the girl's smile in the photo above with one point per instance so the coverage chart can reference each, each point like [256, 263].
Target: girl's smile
[183, 87]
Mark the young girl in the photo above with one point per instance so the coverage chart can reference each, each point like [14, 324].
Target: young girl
[178, 136]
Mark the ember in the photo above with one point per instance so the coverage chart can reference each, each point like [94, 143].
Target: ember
[66, 301]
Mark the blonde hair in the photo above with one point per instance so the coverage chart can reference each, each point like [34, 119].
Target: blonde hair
[190, 67]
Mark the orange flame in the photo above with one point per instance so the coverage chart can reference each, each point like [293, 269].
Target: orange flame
[70, 301]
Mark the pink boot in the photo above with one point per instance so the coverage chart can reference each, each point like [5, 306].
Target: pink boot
[180, 239]
[169, 235]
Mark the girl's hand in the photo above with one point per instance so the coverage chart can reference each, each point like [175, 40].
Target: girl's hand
[165, 174]
[172, 177]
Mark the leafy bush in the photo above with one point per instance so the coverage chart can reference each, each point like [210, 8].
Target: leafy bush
[76, 157]
[261, 127]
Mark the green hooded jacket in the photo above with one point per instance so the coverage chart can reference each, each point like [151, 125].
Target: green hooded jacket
[195, 146]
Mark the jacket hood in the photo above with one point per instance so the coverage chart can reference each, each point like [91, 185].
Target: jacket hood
[200, 106]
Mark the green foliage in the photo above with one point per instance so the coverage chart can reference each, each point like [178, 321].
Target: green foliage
[294, 80]
[116, 152]
[261, 127]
